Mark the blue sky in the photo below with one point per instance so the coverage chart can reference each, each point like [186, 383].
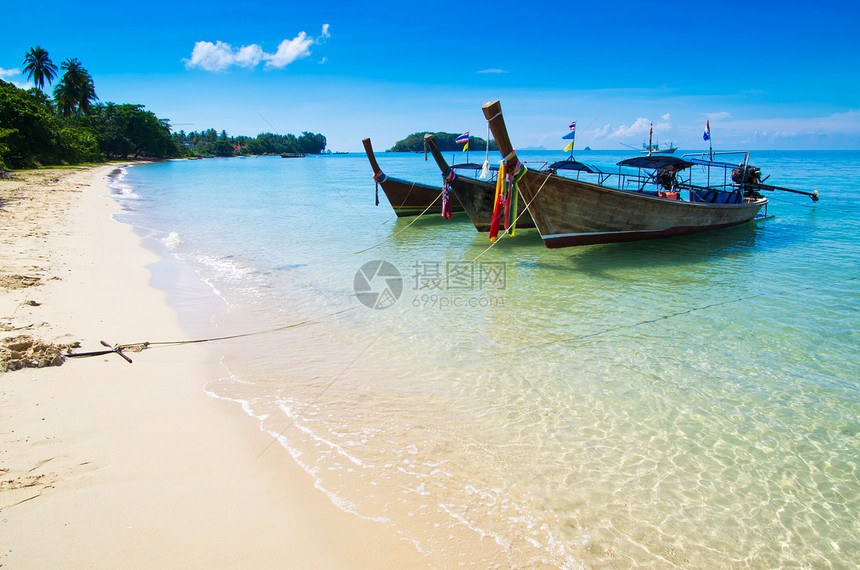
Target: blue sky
[768, 75]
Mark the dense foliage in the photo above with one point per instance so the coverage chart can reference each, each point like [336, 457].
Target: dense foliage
[74, 127]
[33, 132]
[211, 143]
[445, 142]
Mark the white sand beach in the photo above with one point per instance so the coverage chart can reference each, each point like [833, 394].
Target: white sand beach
[106, 464]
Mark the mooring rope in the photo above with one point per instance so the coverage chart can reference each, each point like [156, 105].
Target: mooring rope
[141, 346]
[469, 264]
[394, 214]
[403, 229]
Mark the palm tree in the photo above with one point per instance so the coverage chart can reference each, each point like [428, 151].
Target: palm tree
[75, 92]
[39, 67]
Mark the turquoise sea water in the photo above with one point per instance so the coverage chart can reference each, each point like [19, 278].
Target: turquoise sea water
[688, 402]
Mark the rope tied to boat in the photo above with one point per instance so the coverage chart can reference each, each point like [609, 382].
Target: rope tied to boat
[378, 178]
[406, 227]
[463, 268]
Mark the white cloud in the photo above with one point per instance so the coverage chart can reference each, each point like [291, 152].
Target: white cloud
[289, 51]
[492, 71]
[211, 57]
[249, 56]
[220, 56]
[641, 126]
[8, 74]
[602, 132]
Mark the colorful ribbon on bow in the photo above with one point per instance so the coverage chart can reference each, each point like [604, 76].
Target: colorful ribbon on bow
[505, 204]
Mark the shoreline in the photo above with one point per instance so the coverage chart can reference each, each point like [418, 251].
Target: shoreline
[107, 464]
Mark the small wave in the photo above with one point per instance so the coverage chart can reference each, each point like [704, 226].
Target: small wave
[172, 240]
[118, 173]
[120, 189]
[124, 192]
[336, 499]
[226, 267]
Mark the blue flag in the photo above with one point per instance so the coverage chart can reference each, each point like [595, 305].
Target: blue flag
[707, 134]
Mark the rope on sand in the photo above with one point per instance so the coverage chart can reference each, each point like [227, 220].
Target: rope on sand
[120, 349]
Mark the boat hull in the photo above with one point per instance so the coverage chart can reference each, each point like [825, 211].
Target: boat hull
[571, 212]
[477, 197]
[413, 198]
[407, 198]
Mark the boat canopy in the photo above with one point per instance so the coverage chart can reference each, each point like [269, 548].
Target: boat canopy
[657, 162]
[605, 169]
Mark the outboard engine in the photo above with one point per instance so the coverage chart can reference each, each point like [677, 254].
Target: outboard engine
[666, 178]
[746, 175]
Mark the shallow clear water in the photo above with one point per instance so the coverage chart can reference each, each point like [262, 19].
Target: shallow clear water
[689, 401]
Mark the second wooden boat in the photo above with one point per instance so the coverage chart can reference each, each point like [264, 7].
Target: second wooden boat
[476, 196]
[406, 197]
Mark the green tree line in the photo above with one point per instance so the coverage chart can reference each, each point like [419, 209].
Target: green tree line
[445, 142]
[74, 127]
[212, 143]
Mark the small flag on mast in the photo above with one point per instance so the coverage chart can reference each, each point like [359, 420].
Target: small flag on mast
[572, 134]
[464, 138]
[569, 146]
[707, 134]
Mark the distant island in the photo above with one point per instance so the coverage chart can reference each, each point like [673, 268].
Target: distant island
[445, 142]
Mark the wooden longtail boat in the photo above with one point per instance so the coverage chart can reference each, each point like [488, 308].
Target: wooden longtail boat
[570, 212]
[476, 196]
[408, 198]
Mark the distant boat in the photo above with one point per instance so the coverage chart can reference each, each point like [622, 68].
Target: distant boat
[650, 146]
[645, 203]
[655, 148]
[407, 198]
[475, 195]
[293, 155]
